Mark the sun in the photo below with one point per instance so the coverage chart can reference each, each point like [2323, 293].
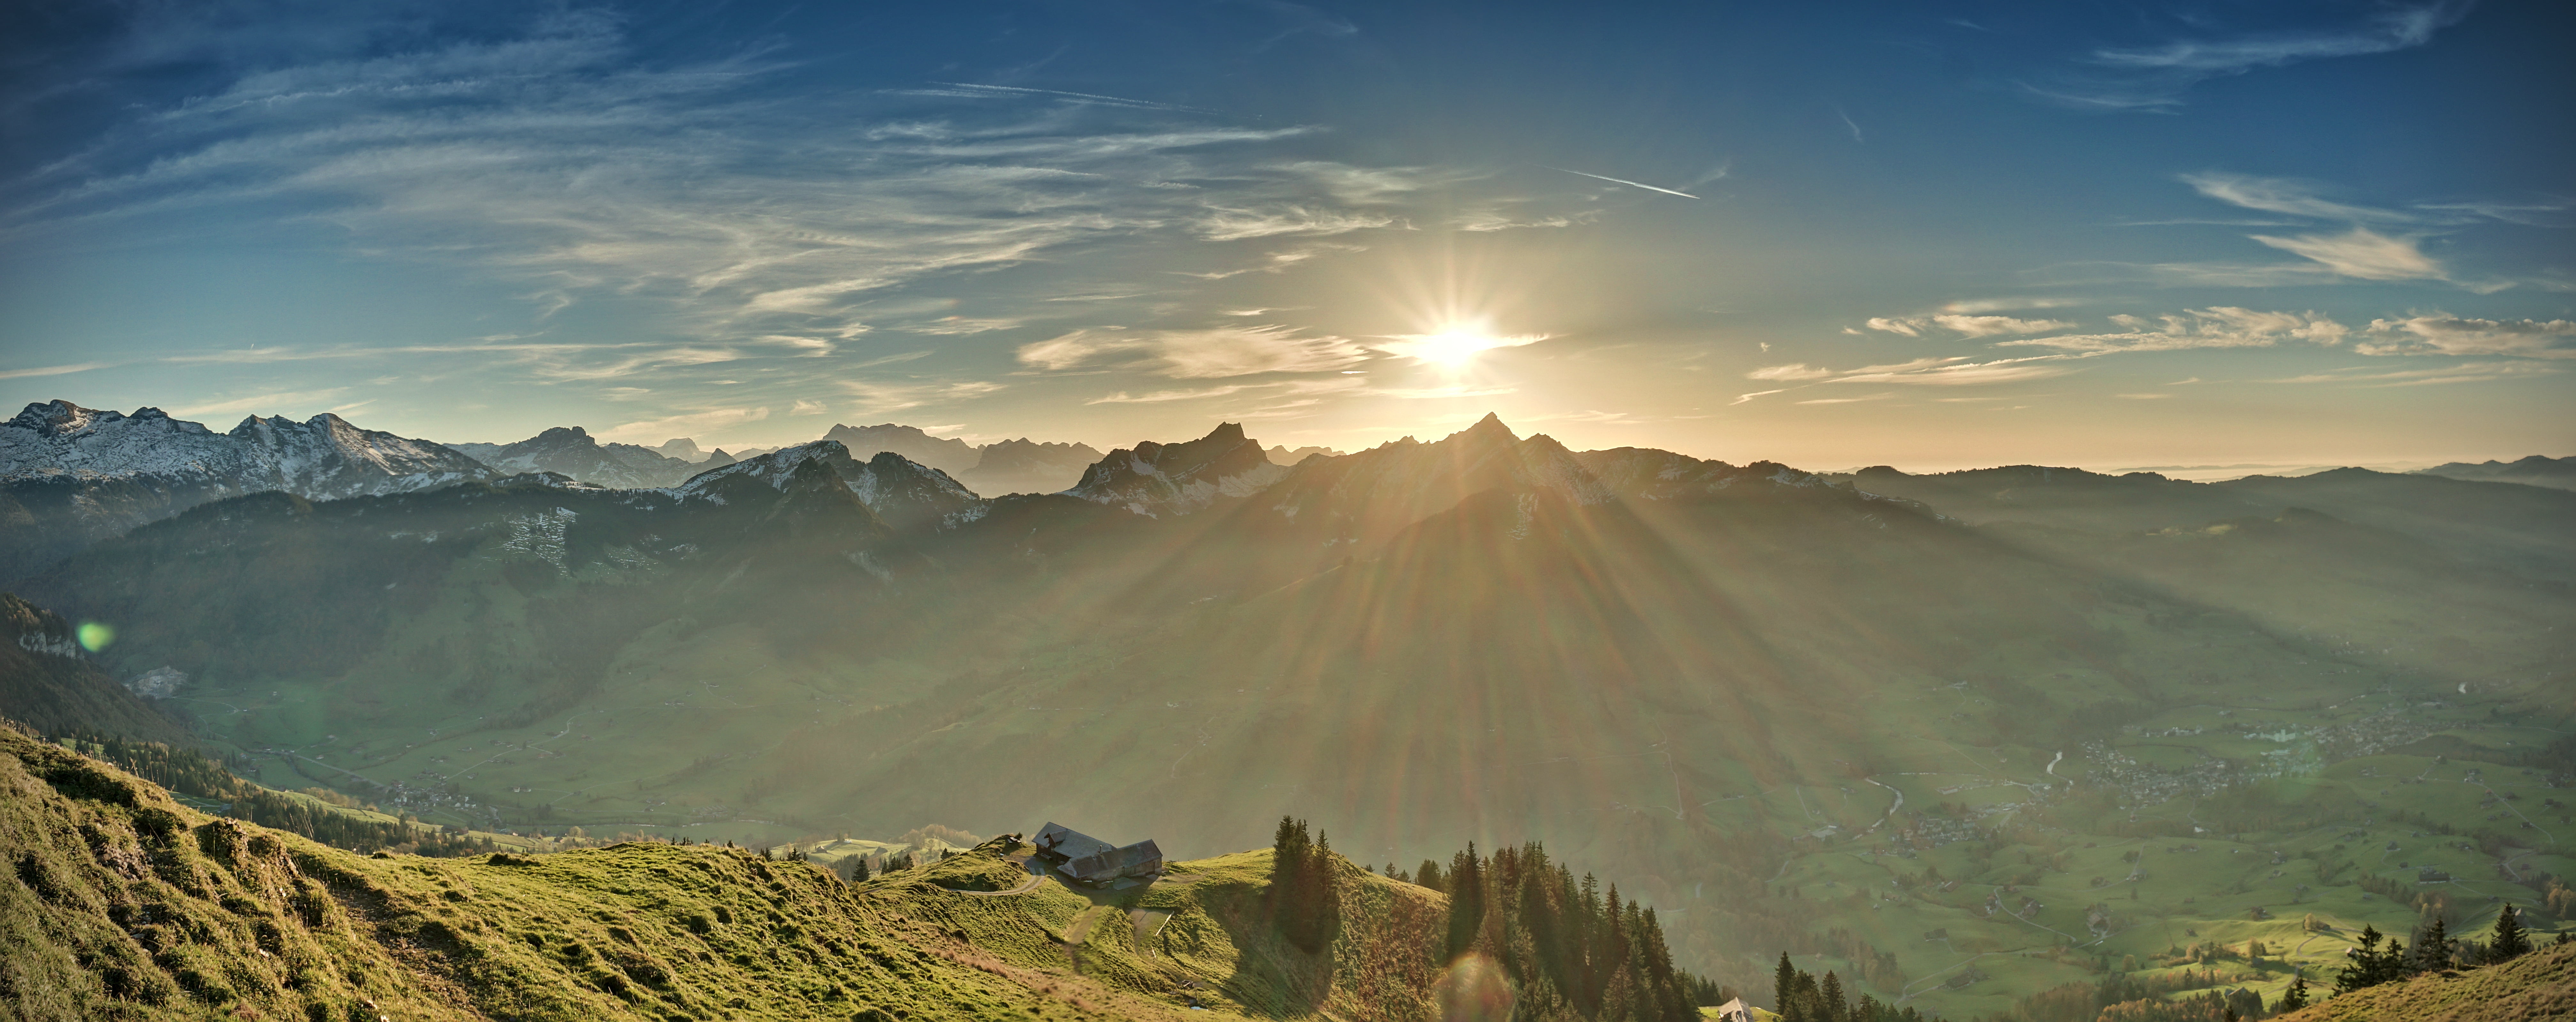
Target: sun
[1453, 345]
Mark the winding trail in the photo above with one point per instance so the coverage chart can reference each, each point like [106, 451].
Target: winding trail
[1891, 810]
[1035, 878]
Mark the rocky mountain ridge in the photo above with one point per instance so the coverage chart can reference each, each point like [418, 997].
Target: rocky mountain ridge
[71, 476]
[571, 451]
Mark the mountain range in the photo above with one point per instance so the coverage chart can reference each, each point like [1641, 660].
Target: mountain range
[2534, 470]
[1705, 676]
[71, 476]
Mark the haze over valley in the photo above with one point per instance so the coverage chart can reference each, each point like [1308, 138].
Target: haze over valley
[1999, 512]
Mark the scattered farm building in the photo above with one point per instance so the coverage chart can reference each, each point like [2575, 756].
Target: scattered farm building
[1090, 860]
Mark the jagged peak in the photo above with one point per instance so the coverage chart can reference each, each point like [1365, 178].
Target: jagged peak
[1490, 428]
[1544, 442]
[58, 416]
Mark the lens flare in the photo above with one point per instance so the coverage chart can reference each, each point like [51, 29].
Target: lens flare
[1474, 989]
[95, 635]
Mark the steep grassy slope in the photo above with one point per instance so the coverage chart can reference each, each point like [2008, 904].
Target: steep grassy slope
[2535, 987]
[124, 904]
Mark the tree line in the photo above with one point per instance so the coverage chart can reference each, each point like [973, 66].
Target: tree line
[190, 772]
[2435, 951]
[1801, 997]
[1573, 950]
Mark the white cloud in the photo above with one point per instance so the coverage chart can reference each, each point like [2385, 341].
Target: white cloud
[552, 157]
[272, 404]
[1987, 326]
[2453, 335]
[875, 396]
[685, 424]
[61, 370]
[1210, 353]
[1074, 349]
[807, 347]
[2153, 78]
[1974, 306]
[1792, 371]
[1222, 224]
[952, 326]
[2362, 254]
[2389, 29]
[1159, 396]
[2215, 327]
[2465, 372]
[1847, 400]
[804, 407]
[1964, 325]
[1956, 372]
[2284, 195]
[1492, 220]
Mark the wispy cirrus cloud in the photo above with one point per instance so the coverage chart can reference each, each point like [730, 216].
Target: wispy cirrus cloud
[2465, 372]
[272, 403]
[583, 172]
[1209, 353]
[60, 370]
[684, 424]
[2154, 77]
[1937, 371]
[873, 396]
[2454, 335]
[2215, 327]
[1964, 325]
[2361, 254]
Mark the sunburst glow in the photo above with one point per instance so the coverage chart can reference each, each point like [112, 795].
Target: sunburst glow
[1454, 344]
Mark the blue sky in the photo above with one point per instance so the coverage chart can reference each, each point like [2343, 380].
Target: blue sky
[1833, 234]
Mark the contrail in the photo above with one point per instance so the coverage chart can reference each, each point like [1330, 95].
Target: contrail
[1630, 184]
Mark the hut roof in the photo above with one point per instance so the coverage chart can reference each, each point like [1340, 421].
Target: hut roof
[1136, 859]
[1064, 842]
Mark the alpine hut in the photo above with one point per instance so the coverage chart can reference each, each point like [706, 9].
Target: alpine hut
[1089, 860]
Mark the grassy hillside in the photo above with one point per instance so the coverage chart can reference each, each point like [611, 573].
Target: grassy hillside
[2535, 987]
[125, 904]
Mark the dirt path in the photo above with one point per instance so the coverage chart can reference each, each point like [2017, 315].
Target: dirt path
[1080, 928]
[1147, 922]
[1026, 887]
[1891, 810]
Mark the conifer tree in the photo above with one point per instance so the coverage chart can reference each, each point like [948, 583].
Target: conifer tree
[2510, 942]
[2433, 947]
[1428, 875]
[2295, 998]
[1784, 983]
[2372, 965]
[1466, 900]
